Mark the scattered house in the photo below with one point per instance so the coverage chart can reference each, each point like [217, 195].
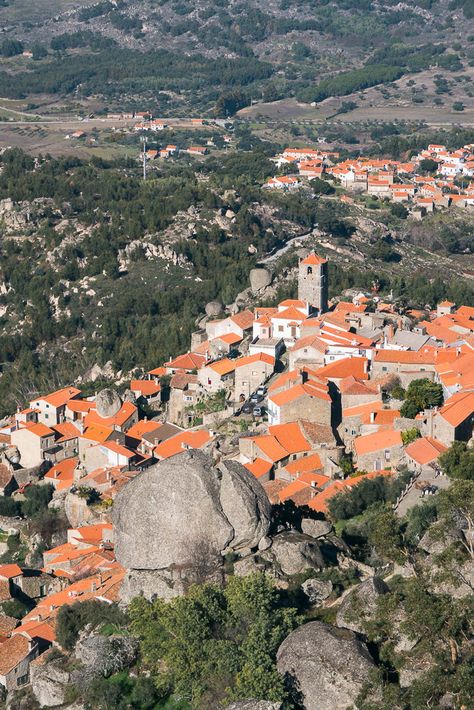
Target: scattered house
[51, 408]
[33, 442]
[424, 452]
[307, 400]
[217, 375]
[184, 395]
[251, 372]
[147, 390]
[374, 452]
[16, 654]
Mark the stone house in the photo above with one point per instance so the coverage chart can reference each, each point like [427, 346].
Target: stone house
[184, 395]
[251, 372]
[217, 375]
[51, 408]
[424, 452]
[33, 442]
[149, 391]
[307, 400]
[8, 483]
[405, 364]
[308, 350]
[375, 452]
[453, 421]
[356, 392]
[16, 653]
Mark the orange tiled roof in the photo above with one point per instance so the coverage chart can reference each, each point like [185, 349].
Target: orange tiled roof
[290, 437]
[97, 433]
[222, 367]
[145, 387]
[376, 442]
[308, 389]
[9, 571]
[356, 367]
[229, 338]
[184, 440]
[12, 652]
[425, 450]
[271, 447]
[458, 408]
[243, 320]
[66, 431]
[312, 259]
[61, 397]
[125, 412]
[307, 463]
[188, 361]
[257, 357]
[141, 427]
[259, 467]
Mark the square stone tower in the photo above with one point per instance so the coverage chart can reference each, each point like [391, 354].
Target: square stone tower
[313, 282]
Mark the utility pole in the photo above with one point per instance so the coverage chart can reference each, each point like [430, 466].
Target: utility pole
[144, 142]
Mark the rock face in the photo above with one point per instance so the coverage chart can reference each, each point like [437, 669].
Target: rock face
[104, 655]
[317, 590]
[316, 528]
[294, 553]
[108, 403]
[175, 520]
[214, 309]
[360, 604]
[49, 683]
[260, 279]
[325, 666]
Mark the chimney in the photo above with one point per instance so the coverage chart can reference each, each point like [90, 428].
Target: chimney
[372, 417]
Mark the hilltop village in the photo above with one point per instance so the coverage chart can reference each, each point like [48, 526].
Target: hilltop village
[434, 178]
[311, 396]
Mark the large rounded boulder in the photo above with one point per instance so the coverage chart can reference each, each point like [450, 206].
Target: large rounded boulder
[360, 605]
[107, 403]
[260, 278]
[325, 667]
[184, 513]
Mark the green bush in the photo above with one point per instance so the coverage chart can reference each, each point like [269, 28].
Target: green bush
[72, 619]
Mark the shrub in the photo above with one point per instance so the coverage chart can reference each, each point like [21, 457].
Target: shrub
[72, 619]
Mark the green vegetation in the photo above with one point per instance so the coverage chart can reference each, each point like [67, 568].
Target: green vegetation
[73, 618]
[215, 644]
[458, 461]
[369, 492]
[421, 394]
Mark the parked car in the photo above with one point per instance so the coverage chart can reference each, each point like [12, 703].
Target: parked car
[256, 398]
[262, 391]
[258, 411]
[247, 408]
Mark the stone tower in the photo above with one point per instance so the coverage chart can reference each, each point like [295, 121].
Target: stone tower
[313, 282]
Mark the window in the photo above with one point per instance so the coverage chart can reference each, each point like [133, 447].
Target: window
[387, 454]
[187, 398]
[254, 373]
[22, 679]
[384, 369]
[46, 416]
[280, 329]
[309, 270]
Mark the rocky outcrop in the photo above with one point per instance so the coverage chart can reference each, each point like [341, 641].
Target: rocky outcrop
[292, 553]
[317, 590]
[108, 403]
[103, 655]
[214, 309]
[176, 520]
[260, 278]
[49, 683]
[325, 667]
[360, 605]
[315, 528]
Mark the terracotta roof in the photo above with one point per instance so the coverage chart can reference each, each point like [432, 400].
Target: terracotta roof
[180, 442]
[320, 502]
[222, 367]
[421, 357]
[97, 433]
[304, 464]
[258, 357]
[458, 408]
[352, 385]
[243, 320]
[362, 410]
[356, 367]
[157, 371]
[229, 338]
[302, 390]
[125, 412]
[10, 571]
[61, 397]
[7, 624]
[180, 380]
[291, 314]
[188, 361]
[35, 630]
[39, 429]
[259, 467]
[119, 449]
[271, 447]
[62, 473]
[425, 450]
[290, 437]
[313, 259]
[66, 431]
[12, 652]
[141, 427]
[377, 441]
[145, 387]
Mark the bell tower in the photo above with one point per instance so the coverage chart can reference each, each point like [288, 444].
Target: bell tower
[313, 282]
